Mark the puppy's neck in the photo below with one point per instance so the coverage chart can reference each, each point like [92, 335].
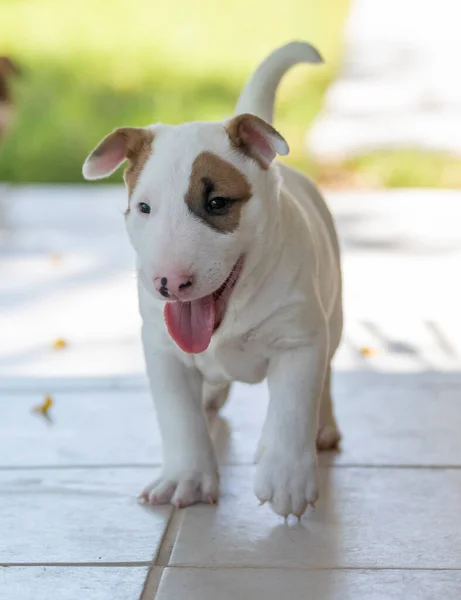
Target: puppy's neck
[266, 248]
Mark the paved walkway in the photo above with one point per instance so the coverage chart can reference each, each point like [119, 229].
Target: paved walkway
[388, 522]
[398, 85]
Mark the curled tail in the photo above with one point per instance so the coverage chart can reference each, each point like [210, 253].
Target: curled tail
[258, 95]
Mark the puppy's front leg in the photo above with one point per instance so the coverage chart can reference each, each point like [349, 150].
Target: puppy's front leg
[286, 475]
[189, 471]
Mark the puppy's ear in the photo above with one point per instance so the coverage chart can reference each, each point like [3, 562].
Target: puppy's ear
[256, 138]
[8, 67]
[125, 143]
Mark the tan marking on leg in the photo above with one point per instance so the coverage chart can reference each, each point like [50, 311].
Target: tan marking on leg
[214, 395]
[328, 435]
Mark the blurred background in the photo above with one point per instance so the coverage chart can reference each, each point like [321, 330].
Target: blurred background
[384, 111]
[375, 115]
[77, 430]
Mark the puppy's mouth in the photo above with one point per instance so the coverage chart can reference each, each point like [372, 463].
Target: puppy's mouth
[191, 324]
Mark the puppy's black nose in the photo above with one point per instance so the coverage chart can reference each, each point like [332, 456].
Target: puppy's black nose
[175, 285]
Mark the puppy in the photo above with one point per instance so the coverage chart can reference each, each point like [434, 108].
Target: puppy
[7, 69]
[239, 279]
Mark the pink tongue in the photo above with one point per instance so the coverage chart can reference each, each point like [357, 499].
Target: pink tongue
[191, 324]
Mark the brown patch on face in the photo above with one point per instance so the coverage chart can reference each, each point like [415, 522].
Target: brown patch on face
[214, 178]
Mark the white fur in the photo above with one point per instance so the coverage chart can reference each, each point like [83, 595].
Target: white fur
[283, 319]
[260, 90]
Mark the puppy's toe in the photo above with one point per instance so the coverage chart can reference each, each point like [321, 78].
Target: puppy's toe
[288, 484]
[182, 491]
[158, 492]
[204, 489]
[188, 492]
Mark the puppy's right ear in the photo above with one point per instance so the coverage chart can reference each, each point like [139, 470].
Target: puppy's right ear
[125, 143]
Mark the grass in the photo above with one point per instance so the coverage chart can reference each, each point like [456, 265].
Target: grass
[407, 168]
[93, 65]
[393, 169]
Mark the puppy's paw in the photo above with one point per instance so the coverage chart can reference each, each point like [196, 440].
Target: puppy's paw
[289, 483]
[183, 491]
[328, 437]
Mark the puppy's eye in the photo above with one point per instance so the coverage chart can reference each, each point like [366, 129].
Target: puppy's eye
[144, 208]
[218, 205]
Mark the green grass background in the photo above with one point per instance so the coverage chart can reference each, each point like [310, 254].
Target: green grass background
[92, 65]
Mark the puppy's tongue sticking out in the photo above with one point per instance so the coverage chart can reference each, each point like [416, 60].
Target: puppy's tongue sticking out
[191, 324]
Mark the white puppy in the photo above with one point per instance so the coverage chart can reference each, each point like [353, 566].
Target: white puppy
[239, 279]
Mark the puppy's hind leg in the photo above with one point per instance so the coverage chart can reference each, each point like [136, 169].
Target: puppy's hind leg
[328, 435]
[214, 395]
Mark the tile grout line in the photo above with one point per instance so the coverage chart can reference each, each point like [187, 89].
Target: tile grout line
[128, 565]
[162, 557]
[352, 465]
[166, 546]
[159, 568]
[79, 466]
[217, 567]
[151, 583]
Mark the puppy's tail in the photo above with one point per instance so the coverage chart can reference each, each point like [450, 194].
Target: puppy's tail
[258, 95]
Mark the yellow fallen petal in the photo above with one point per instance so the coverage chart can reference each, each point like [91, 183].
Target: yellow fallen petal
[45, 406]
[365, 351]
[60, 344]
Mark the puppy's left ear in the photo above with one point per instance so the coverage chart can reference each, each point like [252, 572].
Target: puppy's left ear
[125, 143]
[256, 138]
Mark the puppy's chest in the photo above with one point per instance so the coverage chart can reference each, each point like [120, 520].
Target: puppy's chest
[243, 360]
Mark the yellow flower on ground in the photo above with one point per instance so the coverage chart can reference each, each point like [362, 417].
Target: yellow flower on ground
[44, 407]
[60, 344]
[366, 351]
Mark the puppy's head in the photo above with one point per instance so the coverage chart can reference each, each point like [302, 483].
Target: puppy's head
[198, 198]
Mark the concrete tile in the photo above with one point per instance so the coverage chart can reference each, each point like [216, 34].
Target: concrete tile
[68, 274]
[365, 518]
[273, 584]
[78, 516]
[86, 428]
[72, 583]
[388, 427]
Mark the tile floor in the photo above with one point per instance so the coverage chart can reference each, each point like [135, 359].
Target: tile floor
[388, 524]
